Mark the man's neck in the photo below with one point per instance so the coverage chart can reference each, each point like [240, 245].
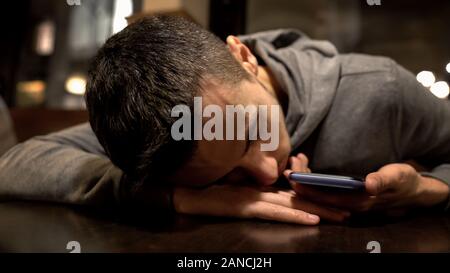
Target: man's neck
[266, 77]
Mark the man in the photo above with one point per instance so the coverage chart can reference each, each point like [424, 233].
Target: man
[347, 113]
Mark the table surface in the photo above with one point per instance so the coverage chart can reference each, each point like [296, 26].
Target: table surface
[38, 227]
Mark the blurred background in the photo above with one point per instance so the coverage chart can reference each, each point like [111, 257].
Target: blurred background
[47, 44]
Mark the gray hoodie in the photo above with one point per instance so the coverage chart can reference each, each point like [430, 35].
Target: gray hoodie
[351, 114]
[354, 113]
[7, 137]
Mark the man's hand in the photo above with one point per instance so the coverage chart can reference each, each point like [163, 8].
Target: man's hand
[400, 185]
[393, 186]
[248, 202]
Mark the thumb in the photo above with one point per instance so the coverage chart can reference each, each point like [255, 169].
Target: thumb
[375, 183]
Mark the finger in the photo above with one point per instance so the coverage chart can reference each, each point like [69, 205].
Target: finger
[287, 172]
[285, 192]
[334, 215]
[288, 192]
[375, 184]
[273, 212]
[296, 164]
[385, 179]
[303, 161]
[300, 163]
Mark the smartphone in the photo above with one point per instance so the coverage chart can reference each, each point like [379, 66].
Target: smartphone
[328, 181]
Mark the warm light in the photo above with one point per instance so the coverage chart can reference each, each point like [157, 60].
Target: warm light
[31, 87]
[76, 85]
[30, 93]
[440, 89]
[45, 41]
[448, 68]
[426, 78]
[122, 9]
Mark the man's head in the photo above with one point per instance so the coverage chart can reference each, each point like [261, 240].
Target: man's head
[143, 72]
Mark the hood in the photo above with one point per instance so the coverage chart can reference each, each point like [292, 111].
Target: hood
[307, 70]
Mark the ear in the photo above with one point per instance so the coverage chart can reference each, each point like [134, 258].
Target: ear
[243, 55]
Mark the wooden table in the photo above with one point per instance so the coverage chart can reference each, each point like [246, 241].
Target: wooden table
[37, 227]
[30, 122]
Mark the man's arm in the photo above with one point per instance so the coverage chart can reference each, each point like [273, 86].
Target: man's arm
[70, 167]
[417, 123]
[423, 131]
[7, 137]
[67, 167]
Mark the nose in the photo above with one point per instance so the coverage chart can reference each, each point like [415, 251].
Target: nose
[264, 170]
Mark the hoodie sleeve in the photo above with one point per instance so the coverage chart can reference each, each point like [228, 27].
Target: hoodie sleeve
[71, 167]
[7, 137]
[423, 134]
[67, 167]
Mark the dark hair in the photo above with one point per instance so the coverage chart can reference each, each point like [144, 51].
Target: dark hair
[136, 79]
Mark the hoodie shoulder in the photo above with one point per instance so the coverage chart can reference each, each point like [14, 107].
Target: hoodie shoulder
[356, 64]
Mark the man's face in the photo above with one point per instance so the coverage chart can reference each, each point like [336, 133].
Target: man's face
[236, 161]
